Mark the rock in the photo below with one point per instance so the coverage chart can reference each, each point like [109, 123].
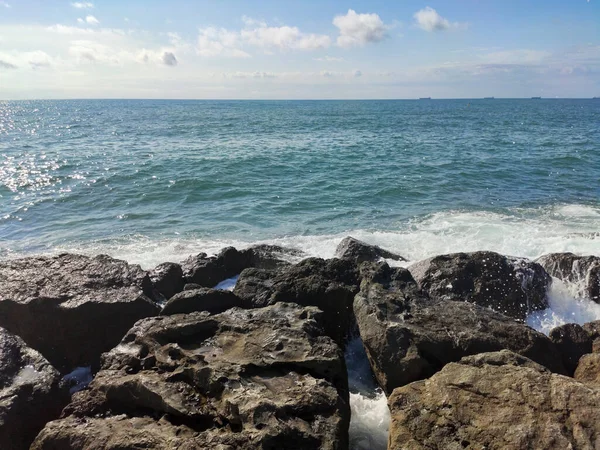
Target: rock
[329, 285]
[408, 336]
[575, 269]
[485, 405]
[588, 369]
[593, 330]
[209, 271]
[573, 342]
[359, 251]
[71, 308]
[244, 379]
[203, 299]
[167, 279]
[512, 286]
[191, 286]
[30, 393]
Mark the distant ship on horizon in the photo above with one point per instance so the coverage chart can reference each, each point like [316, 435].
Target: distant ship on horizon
[536, 98]
[488, 98]
[424, 98]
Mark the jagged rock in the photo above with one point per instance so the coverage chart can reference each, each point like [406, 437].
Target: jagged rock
[588, 369]
[593, 330]
[573, 341]
[575, 269]
[328, 284]
[502, 403]
[359, 251]
[30, 393]
[245, 379]
[71, 308]
[167, 279]
[512, 286]
[191, 286]
[408, 336]
[209, 271]
[204, 299]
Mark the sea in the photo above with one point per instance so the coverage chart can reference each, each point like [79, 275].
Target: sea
[150, 181]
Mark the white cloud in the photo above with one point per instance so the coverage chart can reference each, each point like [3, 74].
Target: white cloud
[357, 74]
[6, 5]
[80, 20]
[359, 29]
[282, 38]
[329, 59]
[428, 19]
[82, 5]
[6, 65]
[92, 20]
[32, 59]
[219, 41]
[169, 59]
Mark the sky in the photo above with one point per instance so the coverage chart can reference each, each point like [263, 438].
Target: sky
[309, 49]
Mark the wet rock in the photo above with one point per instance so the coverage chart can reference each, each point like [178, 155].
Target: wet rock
[359, 251]
[573, 341]
[491, 404]
[191, 286]
[408, 336]
[593, 330]
[244, 379]
[327, 284]
[204, 299]
[30, 392]
[71, 308]
[209, 271]
[167, 279]
[512, 286]
[575, 269]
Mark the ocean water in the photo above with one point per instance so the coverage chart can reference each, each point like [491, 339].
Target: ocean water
[155, 181]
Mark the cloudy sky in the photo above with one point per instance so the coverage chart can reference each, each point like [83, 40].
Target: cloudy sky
[299, 49]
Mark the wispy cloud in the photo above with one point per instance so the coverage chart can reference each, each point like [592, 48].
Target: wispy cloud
[329, 59]
[3, 3]
[359, 29]
[169, 59]
[82, 5]
[429, 20]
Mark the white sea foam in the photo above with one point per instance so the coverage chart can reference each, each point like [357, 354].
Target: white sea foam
[521, 232]
[370, 419]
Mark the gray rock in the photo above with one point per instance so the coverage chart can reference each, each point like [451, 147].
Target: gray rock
[204, 299]
[71, 308]
[167, 279]
[502, 402]
[512, 286]
[30, 393]
[575, 269]
[408, 336]
[244, 379]
[329, 285]
[359, 251]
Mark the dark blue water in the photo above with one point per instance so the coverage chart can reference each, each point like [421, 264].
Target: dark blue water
[163, 178]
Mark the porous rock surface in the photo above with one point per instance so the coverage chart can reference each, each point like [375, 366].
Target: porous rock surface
[494, 401]
[359, 251]
[264, 378]
[71, 308]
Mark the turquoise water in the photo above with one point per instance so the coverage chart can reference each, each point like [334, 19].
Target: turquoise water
[157, 180]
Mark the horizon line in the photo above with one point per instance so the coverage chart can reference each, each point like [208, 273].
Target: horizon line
[297, 99]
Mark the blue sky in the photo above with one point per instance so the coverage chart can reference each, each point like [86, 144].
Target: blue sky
[299, 49]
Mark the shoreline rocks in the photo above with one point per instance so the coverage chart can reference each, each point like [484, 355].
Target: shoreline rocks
[31, 393]
[72, 308]
[584, 270]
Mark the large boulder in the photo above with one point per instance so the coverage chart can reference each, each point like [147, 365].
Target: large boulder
[575, 269]
[31, 393]
[246, 379]
[204, 299]
[72, 308]
[494, 401]
[573, 341]
[167, 279]
[359, 251]
[408, 336]
[588, 369]
[512, 286]
[208, 271]
[327, 284]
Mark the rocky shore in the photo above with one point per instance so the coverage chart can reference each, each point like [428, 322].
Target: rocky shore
[96, 353]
